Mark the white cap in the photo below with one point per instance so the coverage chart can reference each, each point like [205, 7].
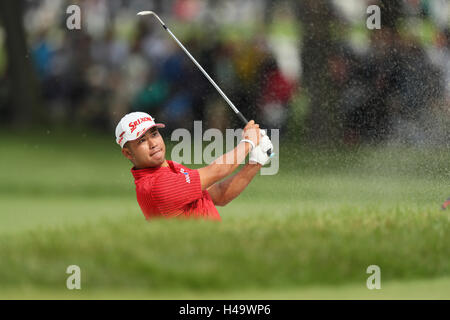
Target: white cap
[133, 126]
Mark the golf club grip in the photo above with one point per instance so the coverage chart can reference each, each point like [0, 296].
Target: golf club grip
[241, 116]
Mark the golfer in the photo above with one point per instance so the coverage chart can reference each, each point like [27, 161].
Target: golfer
[168, 189]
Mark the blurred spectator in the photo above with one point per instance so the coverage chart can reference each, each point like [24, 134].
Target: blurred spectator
[276, 92]
[439, 55]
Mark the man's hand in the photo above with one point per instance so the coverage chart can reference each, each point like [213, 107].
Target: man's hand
[259, 154]
[252, 132]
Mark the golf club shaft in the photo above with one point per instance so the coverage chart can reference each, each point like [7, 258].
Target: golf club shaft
[238, 113]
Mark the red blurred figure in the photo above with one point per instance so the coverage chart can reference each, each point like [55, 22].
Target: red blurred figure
[446, 204]
[277, 91]
[186, 10]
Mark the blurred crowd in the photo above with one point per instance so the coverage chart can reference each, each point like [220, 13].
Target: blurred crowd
[119, 63]
[398, 87]
[392, 89]
[96, 77]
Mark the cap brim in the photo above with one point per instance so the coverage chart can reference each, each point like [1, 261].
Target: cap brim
[157, 125]
[127, 139]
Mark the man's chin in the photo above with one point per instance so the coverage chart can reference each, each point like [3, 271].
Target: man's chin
[158, 161]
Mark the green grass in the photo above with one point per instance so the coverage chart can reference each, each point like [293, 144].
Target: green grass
[417, 289]
[309, 232]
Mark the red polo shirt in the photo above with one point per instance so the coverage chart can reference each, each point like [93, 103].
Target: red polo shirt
[173, 191]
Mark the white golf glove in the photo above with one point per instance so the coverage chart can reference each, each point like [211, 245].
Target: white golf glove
[259, 154]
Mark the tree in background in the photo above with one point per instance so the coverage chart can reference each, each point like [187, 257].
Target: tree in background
[318, 22]
[22, 81]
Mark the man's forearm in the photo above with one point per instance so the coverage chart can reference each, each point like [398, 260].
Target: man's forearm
[224, 165]
[232, 187]
[231, 160]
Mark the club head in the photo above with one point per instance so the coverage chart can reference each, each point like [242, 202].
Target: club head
[145, 13]
[148, 13]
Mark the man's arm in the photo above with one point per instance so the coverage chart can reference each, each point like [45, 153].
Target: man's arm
[224, 192]
[226, 164]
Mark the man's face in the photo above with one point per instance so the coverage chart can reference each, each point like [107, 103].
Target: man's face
[148, 151]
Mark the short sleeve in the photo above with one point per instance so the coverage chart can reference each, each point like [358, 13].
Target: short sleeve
[173, 191]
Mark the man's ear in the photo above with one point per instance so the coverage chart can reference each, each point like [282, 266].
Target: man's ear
[127, 153]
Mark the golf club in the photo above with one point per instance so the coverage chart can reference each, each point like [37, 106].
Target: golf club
[238, 113]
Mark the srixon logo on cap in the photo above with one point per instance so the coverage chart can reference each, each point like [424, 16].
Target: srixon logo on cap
[134, 124]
